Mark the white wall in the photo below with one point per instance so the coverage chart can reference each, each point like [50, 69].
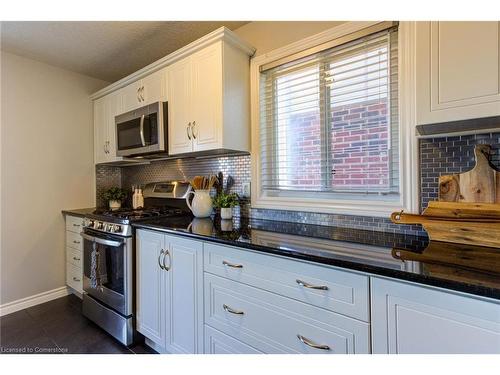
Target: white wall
[46, 166]
[266, 36]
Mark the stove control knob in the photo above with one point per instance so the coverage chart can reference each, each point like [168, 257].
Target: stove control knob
[90, 223]
[117, 228]
[100, 225]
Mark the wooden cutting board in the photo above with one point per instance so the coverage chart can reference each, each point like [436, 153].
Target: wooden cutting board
[480, 185]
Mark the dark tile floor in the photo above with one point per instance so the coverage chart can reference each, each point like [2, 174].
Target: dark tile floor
[58, 326]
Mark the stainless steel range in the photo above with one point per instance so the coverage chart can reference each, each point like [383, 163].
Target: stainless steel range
[109, 257]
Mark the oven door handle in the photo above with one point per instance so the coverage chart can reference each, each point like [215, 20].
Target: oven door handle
[102, 241]
[142, 131]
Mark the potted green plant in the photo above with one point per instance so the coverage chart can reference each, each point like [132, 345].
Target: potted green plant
[115, 197]
[226, 202]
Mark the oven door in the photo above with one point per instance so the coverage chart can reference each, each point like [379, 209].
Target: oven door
[141, 131]
[107, 270]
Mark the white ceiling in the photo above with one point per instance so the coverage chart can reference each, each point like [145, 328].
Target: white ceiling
[104, 50]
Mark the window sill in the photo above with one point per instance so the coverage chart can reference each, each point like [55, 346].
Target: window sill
[328, 206]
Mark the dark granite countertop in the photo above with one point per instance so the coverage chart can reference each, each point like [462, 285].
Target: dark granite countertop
[464, 268]
[81, 212]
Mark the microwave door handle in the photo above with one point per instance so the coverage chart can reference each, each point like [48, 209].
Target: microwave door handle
[142, 131]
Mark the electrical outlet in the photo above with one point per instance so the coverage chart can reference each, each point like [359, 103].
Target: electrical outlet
[245, 190]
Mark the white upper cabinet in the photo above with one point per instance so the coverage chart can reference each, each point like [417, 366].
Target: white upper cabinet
[209, 100]
[150, 89]
[457, 71]
[179, 93]
[105, 110]
[207, 87]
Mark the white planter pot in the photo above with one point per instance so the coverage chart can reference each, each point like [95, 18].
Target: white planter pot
[226, 213]
[115, 205]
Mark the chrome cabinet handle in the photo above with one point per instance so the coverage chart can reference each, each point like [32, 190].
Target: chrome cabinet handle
[142, 93]
[159, 257]
[138, 95]
[310, 286]
[232, 311]
[76, 225]
[77, 242]
[312, 344]
[192, 130]
[75, 258]
[76, 279]
[187, 130]
[165, 267]
[233, 265]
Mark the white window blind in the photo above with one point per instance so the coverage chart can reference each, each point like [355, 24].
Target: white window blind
[329, 122]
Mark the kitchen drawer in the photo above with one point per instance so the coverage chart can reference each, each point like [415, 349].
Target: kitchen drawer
[74, 257]
[217, 342]
[343, 292]
[74, 277]
[74, 240]
[74, 223]
[272, 323]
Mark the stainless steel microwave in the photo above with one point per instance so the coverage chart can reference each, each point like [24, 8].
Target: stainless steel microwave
[142, 131]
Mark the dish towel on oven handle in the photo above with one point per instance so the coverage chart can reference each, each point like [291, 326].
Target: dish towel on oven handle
[95, 281]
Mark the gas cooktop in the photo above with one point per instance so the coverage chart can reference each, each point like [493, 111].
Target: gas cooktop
[138, 214]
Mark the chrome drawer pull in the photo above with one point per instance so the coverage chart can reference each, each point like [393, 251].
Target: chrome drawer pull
[76, 225]
[312, 344]
[76, 241]
[75, 279]
[233, 265]
[159, 261]
[75, 258]
[232, 311]
[310, 286]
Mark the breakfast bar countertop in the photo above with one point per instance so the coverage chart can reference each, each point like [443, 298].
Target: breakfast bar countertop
[463, 268]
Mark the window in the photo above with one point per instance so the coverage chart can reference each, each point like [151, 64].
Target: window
[329, 123]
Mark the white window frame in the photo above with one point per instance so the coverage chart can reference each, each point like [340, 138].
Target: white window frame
[408, 157]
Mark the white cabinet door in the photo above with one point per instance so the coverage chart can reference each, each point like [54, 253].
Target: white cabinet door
[412, 319]
[150, 286]
[184, 296]
[113, 108]
[458, 68]
[154, 87]
[207, 98]
[100, 131]
[179, 107]
[131, 96]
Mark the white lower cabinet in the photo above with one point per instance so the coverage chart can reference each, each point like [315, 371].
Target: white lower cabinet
[74, 250]
[411, 319]
[169, 291]
[275, 324]
[200, 297]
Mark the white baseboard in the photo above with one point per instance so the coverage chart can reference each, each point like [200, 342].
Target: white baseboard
[23, 303]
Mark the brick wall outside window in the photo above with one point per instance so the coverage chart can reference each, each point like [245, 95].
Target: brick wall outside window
[358, 147]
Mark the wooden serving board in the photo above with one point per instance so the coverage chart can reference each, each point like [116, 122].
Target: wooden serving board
[475, 224]
[481, 184]
[468, 210]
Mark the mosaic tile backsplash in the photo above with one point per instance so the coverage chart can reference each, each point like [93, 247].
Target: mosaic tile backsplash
[438, 156]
